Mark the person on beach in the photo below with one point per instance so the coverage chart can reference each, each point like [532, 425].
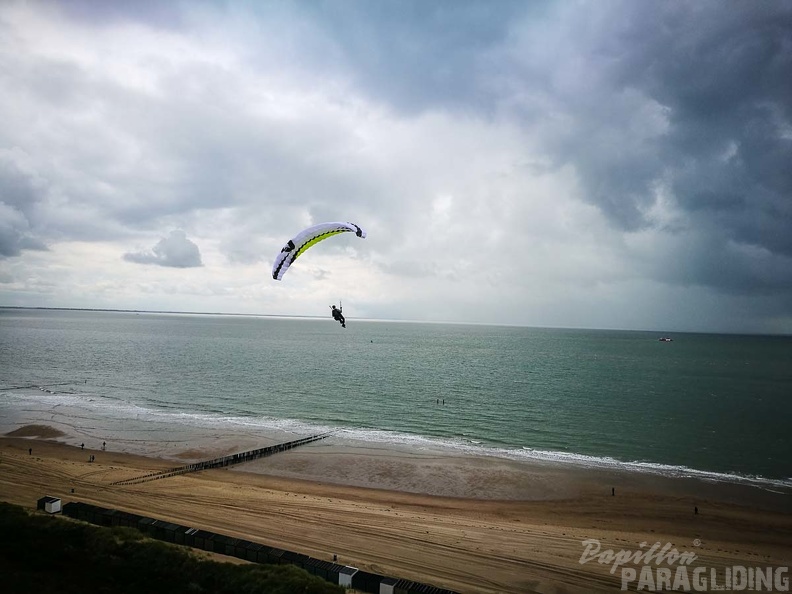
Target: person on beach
[337, 315]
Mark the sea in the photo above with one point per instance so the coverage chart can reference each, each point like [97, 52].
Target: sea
[713, 406]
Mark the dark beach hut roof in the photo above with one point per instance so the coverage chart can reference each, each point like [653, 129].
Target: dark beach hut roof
[418, 588]
[128, 518]
[295, 558]
[145, 523]
[253, 546]
[365, 580]
[222, 539]
[408, 586]
[332, 567]
[168, 530]
[71, 509]
[225, 544]
[109, 515]
[92, 513]
[204, 534]
[252, 550]
[242, 544]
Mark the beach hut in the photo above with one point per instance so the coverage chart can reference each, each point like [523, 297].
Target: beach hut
[327, 570]
[181, 535]
[273, 555]
[224, 544]
[168, 531]
[265, 555]
[145, 525]
[410, 587]
[189, 536]
[51, 505]
[345, 575]
[157, 529]
[404, 587]
[129, 520]
[333, 571]
[318, 568]
[297, 559]
[94, 514]
[310, 566]
[242, 548]
[388, 585]
[118, 518]
[86, 512]
[252, 551]
[109, 517]
[262, 554]
[204, 540]
[366, 581]
[71, 509]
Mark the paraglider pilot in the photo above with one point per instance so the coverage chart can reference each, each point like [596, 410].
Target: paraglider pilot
[337, 315]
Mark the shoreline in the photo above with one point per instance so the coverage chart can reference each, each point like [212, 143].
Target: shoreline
[483, 478]
[186, 444]
[438, 472]
[471, 545]
[197, 437]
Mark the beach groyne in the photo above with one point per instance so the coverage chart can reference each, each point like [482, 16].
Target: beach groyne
[224, 461]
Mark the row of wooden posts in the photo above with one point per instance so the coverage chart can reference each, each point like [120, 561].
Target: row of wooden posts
[223, 461]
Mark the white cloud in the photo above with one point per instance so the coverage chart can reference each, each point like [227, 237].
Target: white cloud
[174, 251]
[513, 166]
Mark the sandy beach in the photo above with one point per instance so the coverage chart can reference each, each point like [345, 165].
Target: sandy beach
[474, 525]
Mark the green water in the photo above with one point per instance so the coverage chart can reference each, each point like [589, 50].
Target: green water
[709, 403]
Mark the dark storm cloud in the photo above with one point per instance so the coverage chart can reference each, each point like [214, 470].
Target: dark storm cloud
[14, 234]
[717, 74]
[691, 100]
[20, 193]
[724, 72]
[415, 54]
[174, 251]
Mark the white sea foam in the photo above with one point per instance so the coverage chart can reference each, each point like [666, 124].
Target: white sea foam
[465, 447]
[105, 412]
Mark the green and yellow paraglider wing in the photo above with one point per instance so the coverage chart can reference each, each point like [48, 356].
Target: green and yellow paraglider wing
[307, 238]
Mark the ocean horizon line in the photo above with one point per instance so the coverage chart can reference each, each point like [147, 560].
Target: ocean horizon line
[388, 320]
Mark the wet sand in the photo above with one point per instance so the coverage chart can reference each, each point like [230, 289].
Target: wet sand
[475, 525]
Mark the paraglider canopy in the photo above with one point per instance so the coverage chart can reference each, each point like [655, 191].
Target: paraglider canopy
[307, 238]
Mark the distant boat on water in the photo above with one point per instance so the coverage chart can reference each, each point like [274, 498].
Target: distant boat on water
[666, 339]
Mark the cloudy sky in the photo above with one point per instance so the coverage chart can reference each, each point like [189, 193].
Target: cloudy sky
[599, 164]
